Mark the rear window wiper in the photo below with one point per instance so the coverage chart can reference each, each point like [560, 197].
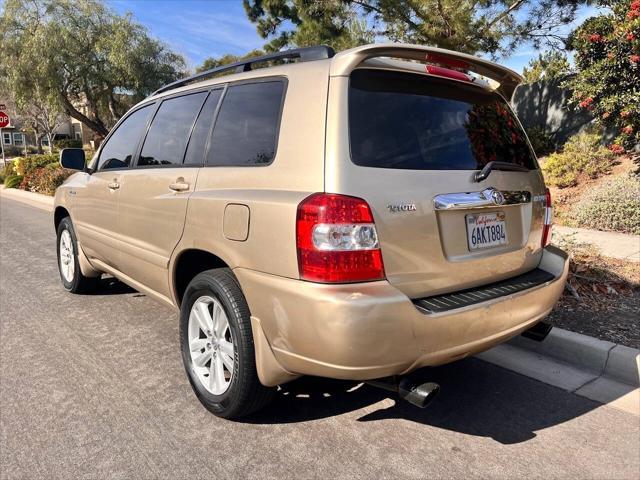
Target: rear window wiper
[495, 165]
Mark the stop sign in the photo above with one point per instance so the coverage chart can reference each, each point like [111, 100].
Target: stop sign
[4, 119]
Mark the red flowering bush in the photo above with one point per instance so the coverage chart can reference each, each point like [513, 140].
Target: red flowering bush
[45, 179]
[607, 56]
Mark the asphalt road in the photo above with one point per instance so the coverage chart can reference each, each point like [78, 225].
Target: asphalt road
[93, 387]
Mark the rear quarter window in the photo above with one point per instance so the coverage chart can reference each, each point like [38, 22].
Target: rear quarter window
[409, 121]
[246, 130]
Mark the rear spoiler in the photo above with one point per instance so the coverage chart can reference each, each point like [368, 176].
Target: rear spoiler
[345, 62]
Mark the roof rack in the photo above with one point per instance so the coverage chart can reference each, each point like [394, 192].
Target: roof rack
[318, 52]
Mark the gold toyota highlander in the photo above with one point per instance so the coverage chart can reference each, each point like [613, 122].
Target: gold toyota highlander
[355, 215]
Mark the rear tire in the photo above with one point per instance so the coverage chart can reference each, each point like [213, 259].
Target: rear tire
[68, 264]
[217, 346]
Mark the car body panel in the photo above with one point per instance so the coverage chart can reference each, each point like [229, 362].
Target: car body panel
[95, 214]
[151, 220]
[373, 330]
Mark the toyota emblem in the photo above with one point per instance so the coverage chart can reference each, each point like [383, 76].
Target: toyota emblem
[497, 197]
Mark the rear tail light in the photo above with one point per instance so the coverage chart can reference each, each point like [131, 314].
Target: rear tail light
[337, 240]
[548, 218]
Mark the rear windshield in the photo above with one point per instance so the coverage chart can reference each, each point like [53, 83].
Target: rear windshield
[408, 121]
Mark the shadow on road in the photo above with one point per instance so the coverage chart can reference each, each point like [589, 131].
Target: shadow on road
[111, 286]
[477, 399]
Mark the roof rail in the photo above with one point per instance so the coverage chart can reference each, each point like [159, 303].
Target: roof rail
[318, 52]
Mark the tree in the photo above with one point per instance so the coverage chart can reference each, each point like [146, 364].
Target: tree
[94, 62]
[607, 57]
[331, 22]
[547, 66]
[42, 114]
[494, 27]
[44, 119]
[213, 62]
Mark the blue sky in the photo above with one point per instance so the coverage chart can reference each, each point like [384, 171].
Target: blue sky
[203, 28]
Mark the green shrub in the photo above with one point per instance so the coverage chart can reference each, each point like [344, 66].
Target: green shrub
[13, 181]
[614, 205]
[540, 140]
[36, 161]
[582, 154]
[7, 169]
[45, 179]
[67, 143]
[26, 165]
[2, 177]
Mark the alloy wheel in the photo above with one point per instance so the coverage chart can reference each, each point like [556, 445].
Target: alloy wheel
[211, 345]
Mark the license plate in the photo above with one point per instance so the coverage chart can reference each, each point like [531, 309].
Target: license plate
[486, 230]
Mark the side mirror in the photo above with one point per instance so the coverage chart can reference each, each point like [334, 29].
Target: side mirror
[72, 158]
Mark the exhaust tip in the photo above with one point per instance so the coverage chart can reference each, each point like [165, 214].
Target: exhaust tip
[538, 332]
[419, 395]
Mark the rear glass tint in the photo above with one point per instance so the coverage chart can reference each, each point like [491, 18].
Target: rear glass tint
[246, 129]
[198, 141]
[409, 121]
[169, 131]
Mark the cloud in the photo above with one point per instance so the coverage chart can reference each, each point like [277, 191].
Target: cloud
[194, 28]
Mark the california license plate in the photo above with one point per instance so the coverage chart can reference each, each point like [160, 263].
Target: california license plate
[486, 230]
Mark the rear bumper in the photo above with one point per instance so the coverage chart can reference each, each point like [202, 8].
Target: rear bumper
[372, 330]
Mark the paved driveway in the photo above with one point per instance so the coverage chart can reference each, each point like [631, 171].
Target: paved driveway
[93, 386]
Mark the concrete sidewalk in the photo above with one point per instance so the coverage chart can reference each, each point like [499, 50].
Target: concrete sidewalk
[609, 244]
[37, 200]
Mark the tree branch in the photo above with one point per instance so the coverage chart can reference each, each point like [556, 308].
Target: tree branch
[96, 125]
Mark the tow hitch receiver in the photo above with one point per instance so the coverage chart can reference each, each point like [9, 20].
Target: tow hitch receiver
[418, 394]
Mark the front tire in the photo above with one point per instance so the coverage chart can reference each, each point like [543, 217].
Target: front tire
[68, 264]
[217, 346]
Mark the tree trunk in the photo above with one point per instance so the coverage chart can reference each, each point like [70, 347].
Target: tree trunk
[97, 125]
[113, 109]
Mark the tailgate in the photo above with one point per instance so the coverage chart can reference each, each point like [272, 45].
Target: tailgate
[410, 144]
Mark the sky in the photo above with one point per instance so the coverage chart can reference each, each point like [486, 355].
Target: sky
[210, 28]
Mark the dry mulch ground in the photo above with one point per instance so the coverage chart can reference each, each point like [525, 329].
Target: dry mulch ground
[602, 298]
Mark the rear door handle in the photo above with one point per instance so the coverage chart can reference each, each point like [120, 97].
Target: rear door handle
[179, 185]
[113, 185]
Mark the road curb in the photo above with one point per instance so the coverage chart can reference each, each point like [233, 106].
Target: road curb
[624, 365]
[592, 368]
[34, 199]
[582, 351]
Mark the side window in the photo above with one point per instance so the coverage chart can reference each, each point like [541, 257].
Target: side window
[198, 141]
[121, 146]
[169, 131]
[247, 125]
